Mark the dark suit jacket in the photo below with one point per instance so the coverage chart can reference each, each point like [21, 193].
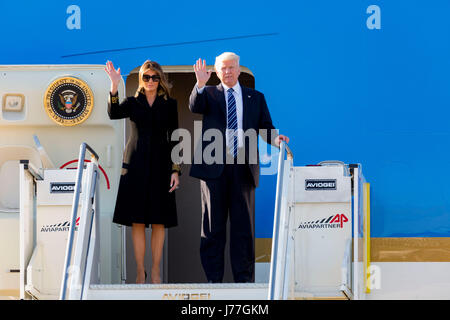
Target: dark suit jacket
[211, 104]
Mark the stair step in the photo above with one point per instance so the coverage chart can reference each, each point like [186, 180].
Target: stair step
[322, 298]
[180, 291]
[178, 286]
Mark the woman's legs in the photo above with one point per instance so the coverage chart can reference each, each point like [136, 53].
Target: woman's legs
[138, 235]
[157, 243]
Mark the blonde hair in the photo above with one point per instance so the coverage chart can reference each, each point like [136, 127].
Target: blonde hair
[226, 56]
[163, 87]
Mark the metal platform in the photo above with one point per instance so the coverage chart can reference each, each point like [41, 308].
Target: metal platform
[179, 291]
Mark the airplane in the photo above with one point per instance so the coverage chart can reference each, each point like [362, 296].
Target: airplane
[359, 82]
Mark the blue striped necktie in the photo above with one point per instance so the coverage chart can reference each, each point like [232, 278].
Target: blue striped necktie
[232, 123]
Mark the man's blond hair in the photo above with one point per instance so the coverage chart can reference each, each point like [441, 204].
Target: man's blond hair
[226, 56]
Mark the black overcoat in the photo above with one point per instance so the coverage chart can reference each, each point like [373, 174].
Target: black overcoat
[211, 104]
[143, 195]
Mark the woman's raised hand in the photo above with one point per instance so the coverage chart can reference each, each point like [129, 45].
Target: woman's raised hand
[114, 76]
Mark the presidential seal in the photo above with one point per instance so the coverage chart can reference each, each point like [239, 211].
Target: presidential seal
[68, 101]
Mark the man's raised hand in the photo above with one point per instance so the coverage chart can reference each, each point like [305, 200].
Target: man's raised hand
[201, 73]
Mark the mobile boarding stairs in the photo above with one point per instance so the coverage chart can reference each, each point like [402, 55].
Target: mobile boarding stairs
[319, 244]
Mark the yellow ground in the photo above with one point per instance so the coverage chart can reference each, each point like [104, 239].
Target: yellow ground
[9, 294]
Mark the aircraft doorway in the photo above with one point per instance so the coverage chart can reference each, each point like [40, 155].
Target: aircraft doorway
[181, 261]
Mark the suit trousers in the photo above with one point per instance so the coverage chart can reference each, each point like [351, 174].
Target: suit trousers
[232, 196]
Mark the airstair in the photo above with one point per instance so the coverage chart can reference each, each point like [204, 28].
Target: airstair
[319, 249]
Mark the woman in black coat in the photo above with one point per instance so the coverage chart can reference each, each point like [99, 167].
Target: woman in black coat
[146, 190]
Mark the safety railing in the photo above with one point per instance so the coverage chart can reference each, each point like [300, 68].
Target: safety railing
[278, 263]
[76, 199]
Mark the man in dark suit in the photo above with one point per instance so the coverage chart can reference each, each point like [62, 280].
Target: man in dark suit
[228, 185]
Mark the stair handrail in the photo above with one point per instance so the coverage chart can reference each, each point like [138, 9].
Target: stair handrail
[76, 199]
[285, 151]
